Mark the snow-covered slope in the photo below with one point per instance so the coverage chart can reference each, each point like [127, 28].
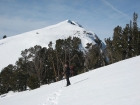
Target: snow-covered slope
[10, 48]
[116, 84]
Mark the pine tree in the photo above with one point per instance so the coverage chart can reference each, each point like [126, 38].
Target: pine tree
[125, 43]
[6, 79]
[4, 36]
[33, 82]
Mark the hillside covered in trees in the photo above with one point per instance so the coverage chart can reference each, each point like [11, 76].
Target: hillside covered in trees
[44, 65]
[125, 42]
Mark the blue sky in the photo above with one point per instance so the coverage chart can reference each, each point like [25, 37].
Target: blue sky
[99, 16]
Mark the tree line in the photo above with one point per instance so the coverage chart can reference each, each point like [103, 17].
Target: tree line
[125, 42]
[42, 65]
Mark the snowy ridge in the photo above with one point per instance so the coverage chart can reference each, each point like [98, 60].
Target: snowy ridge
[11, 47]
[116, 84]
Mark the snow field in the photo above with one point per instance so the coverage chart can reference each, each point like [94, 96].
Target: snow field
[115, 84]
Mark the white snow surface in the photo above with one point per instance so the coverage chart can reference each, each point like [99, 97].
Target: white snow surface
[116, 84]
[11, 47]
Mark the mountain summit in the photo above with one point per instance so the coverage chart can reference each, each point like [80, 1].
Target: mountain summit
[11, 47]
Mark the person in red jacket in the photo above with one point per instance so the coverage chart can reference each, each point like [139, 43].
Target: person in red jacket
[71, 71]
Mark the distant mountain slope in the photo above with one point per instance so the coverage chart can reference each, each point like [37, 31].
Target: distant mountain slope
[116, 84]
[10, 48]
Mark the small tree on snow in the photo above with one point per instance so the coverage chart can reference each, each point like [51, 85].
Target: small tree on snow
[4, 36]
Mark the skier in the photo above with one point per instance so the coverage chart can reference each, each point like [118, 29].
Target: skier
[67, 72]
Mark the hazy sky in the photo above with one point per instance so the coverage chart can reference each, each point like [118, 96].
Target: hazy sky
[99, 16]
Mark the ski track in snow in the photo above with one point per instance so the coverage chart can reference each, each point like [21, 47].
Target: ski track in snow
[52, 99]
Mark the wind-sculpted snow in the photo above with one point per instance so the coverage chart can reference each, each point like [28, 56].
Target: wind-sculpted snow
[116, 84]
[10, 48]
